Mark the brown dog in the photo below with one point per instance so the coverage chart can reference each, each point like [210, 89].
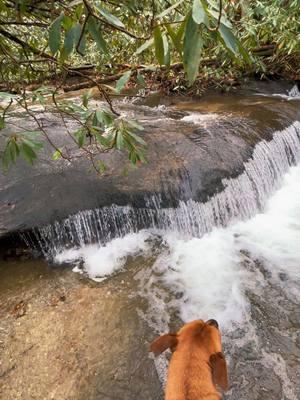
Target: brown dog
[197, 364]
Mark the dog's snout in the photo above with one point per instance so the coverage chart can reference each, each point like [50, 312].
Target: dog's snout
[213, 322]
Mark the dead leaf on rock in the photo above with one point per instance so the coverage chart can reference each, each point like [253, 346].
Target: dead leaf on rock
[19, 309]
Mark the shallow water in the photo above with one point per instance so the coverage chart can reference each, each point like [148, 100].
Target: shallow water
[245, 275]
[235, 258]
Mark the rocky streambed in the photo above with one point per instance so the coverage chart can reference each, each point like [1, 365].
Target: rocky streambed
[62, 336]
[85, 335]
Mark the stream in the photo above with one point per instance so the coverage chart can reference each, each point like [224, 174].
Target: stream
[245, 275]
[114, 277]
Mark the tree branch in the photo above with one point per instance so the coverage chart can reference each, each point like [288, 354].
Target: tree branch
[91, 11]
[25, 45]
[39, 24]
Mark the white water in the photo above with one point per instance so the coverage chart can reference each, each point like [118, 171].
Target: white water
[102, 261]
[241, 198]
[200, 119]
[293, 94]
[216, 275]
[212, 276]
[208, 272]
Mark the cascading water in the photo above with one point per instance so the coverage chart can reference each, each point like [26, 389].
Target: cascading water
[294, 92]
[241, 198]
[234, 258]
[245, 275]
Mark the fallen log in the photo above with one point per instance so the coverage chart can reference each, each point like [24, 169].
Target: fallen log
[91, 83]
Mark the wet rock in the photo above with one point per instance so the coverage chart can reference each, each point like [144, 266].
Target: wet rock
[188, 159]
[264, 383]
[89, 346]
[295, 319]
[283, 276]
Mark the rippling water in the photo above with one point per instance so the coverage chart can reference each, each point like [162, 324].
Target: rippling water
[245, 275]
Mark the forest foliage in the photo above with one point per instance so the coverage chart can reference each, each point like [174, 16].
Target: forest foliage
[181, 42]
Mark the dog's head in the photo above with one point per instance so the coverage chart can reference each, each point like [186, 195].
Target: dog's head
[203, 336]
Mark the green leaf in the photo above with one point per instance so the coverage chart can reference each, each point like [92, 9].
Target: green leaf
[135, 125]
[112, 19]
[176, 37]
[67, 23]
[101, 139]
[224, 20]
[168, 10]
[86, 97]
[27, 152]
[230, 41]
[245, 54]
[78, 12]
[132, 157]
[172, 34]
[13, 150]
[181, 30]
[167, 56]
[80, 137]
[95, 31]
[121, 83]
[82, 44]
[192, 47]
[68, 42]
[104, 117]
[76, 33]
[137, 138]
[199, 14]
[56, 155]
[120, 141]
[144, 46]
[55, 34]
[141, 156]
[33, 144]
[159, 45]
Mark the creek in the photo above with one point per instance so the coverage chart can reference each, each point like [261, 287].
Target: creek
[176, 253]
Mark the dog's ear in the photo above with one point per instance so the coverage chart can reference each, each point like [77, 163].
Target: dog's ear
[164, 342]
[219, 370]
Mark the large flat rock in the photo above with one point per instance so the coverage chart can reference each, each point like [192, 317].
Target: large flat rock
[192, 146]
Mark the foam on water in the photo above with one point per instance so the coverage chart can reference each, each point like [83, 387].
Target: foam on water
[102, 261]
[275, 234]
[209, 271]
[197, 118]
[213, 276]
[215, 273]
[293, 94]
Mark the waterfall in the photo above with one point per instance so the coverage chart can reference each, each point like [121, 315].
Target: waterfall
[294, 92]
[241, 198]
